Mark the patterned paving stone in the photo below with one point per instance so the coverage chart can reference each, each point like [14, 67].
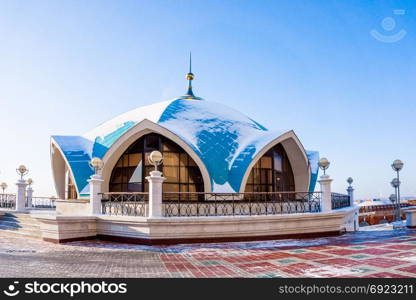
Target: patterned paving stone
[382, 262]
[342, 252]
[362, 254]
[359, 256]
[340, 261]
[386, 275]
[310, 255]
[400, 247]
[375, 251]
[409, 269]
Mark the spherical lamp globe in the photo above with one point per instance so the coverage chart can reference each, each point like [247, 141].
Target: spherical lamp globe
[324, 164]
[397, 165]
[155, 158]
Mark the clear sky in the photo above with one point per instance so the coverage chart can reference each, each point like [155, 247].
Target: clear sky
[311, 66]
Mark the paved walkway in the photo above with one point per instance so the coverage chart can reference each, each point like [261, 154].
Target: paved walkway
[363, 254]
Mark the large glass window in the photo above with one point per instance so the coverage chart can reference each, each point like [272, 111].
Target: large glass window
[181, 172]
[272, 173]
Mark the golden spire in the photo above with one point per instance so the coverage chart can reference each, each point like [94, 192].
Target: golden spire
[190, 76]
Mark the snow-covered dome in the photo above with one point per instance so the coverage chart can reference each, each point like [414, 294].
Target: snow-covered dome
[224, 139]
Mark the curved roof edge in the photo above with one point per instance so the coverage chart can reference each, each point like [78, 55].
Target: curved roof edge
[313, 157]
[77, 152]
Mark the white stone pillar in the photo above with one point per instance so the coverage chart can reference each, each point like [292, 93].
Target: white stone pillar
[21, 195]
[326, 200]
[29, 195]
[95, 198]
[155, 194]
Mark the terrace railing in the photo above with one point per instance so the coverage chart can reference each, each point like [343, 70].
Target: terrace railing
[340, 200]
[188, 204]
[239, 204]
[8, 201]
[125, 204]
[40, 203]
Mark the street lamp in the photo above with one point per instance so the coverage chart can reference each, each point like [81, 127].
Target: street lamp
[97, 164]
[22, 171]
[3, 186]
[396, 183]
[392, 198]
[324, 164]
[397, 166]
[30, 182]
[155, 158]
[350, 180]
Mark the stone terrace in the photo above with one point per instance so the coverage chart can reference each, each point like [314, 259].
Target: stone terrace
[362, 254]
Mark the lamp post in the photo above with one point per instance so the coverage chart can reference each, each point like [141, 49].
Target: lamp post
[29, 193]
[325, 182]
[397, 166]
[396, 183]
[97, 164]
[350, 190]
[95, 182]
[3, 186]
[155, 186]
[324, 164]
[156, 159]
[21, 188]
[22, 171]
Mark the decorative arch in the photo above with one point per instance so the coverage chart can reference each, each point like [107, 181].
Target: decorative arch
[60, 166]
[297, 158]
[139, 130]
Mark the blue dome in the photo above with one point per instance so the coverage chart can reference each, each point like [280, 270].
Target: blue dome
[224, 139]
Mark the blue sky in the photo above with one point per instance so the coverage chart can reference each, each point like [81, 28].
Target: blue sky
[311, 66]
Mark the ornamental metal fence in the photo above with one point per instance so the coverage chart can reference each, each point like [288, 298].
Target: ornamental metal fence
[194, 204]
[340, 200]
[40, 203]
[125, 204]
[8, 201]
[239, 204]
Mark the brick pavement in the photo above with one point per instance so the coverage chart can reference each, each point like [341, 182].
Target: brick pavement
[363, 254]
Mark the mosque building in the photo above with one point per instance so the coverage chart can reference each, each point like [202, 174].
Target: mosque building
[207, 147]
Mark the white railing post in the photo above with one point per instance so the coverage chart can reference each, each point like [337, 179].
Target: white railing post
[326, 200]
[21, 195]
[29, 195]
[95, 182]
[155, 194]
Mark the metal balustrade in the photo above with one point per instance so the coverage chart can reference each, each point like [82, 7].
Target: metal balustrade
[339, 200]
[239, 204]
[125, 204]
[187, 204]
[8, 201]
[40, 203]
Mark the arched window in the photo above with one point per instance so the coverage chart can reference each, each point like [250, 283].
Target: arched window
[271, 173]
[181, 172]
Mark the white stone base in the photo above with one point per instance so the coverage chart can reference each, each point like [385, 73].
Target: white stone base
[187, 229]
[72, 207]
[57, 228]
